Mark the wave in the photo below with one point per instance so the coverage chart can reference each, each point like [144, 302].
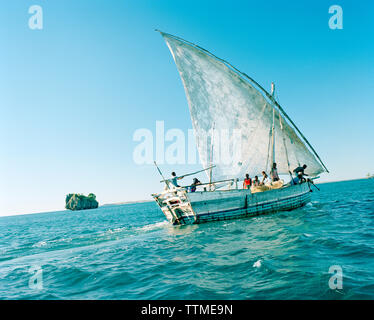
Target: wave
[154, 226]
[257, 264]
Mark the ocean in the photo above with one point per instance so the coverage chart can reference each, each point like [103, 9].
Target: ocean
[324, 250]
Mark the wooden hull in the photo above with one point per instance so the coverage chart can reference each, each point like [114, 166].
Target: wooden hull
[181, 207]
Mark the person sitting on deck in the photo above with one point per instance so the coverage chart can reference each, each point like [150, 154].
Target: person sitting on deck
[194, 184]
[274, 173]
[299, 172]
[264, 178]
[247, 182]
[256, 182]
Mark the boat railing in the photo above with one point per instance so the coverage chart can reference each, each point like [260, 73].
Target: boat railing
[213, 184]
[180, 191]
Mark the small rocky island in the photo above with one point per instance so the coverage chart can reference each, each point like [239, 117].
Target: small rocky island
[76, 201]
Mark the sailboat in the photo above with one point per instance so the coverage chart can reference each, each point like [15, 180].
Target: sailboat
[220, 97]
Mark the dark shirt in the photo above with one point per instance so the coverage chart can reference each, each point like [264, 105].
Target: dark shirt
[193, 186]
[299, 170]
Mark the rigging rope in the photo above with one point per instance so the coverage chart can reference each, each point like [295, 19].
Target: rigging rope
[284, 142]
[268, 155]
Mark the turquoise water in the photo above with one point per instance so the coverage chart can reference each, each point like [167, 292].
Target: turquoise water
[130, 252]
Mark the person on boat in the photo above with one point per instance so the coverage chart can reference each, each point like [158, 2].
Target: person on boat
[194, 184]
[247, 182]
[256, 182]
[264, 178]
[274, 173]
[174, 179]
[299, 173]
[295, 181]
[301, 170]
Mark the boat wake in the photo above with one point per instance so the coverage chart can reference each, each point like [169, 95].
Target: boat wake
[81, 240]
[154, 226]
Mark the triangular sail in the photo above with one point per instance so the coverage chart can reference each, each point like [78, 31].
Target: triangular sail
[218, 95]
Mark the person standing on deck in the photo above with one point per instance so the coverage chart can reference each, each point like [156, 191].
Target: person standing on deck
[274, 173]
[174, 179]
[247, 182]
[264, 178]
[256, 182]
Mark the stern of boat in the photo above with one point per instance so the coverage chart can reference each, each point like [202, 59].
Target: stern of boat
[176, 206]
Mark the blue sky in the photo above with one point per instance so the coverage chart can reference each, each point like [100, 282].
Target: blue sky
[73, 94]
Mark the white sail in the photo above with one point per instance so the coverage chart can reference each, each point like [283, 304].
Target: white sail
[221, 97]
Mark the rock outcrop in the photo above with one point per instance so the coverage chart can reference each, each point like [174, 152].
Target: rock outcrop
[75, 201]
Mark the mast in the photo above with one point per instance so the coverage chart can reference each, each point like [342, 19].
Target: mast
[273, 129]
[211, 159]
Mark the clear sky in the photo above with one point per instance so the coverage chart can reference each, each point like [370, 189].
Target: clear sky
[73, 93]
